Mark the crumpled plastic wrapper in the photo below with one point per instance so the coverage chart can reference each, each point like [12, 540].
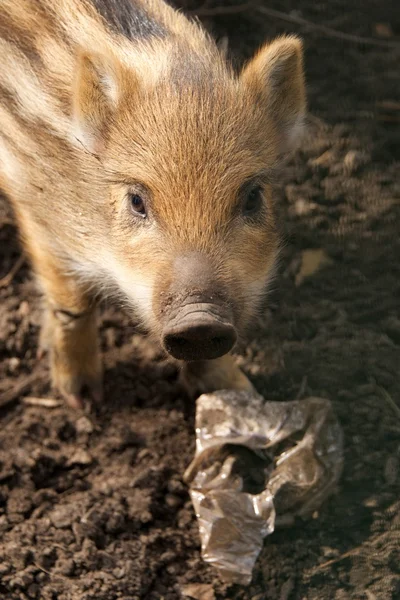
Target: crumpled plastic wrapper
[257, 461]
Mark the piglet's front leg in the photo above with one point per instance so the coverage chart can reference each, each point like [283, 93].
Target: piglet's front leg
[71, 340]
[69, 333]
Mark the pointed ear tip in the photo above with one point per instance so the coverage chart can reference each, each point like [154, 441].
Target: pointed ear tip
[293, 39]
[286, 48]
[287, 44]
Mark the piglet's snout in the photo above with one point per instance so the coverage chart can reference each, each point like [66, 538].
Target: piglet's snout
[198, 321]
[198, 332]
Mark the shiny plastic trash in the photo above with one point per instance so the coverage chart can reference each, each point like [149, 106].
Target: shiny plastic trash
[255, 461]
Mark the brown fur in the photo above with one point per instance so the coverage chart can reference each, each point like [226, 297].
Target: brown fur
[88, 114]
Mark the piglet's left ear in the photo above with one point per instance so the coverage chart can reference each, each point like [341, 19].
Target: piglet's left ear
[275, 76]
[99, 84]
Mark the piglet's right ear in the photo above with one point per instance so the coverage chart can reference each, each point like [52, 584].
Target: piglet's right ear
[97, 91]
[275, 77]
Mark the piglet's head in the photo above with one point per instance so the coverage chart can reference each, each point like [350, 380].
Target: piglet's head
[187, 151]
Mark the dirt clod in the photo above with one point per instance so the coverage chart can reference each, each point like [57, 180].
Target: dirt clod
[198, 591]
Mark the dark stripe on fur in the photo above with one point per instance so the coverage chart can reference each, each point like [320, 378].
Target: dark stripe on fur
[128, 18]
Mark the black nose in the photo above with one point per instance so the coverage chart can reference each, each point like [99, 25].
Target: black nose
[199, 336]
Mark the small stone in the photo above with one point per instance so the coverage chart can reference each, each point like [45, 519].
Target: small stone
[371, 502]
[84, 425]
[304, 207]
[13, 364]
[110, 337]
[167, 557]
[143, 453]
[312, 261]
[106, 487]
[198, 591]
[80, 457]
[61, 517]
[173, 501]
[24, 308]
[325, 160]
[353, 160]
[174, 415]
[118, 573]
[291, 192]
[171, 570]
[329, 552]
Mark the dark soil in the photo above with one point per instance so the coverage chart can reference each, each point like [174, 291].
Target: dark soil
[92, 506]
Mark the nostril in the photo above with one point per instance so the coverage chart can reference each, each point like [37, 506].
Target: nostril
[200, 340]
[179, 341]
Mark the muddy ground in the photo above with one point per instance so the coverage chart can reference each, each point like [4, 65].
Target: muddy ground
[92, 506]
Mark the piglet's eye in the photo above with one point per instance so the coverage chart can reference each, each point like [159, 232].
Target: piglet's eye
[253, 201]
[137, 205]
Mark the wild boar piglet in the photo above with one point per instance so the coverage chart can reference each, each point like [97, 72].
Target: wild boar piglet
[139, 164]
